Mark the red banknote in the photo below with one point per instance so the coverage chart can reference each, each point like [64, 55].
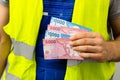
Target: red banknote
[65, 30]
[59, 48]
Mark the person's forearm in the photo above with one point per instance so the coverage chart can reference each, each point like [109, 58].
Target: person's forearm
[4, 51]
[5, 42]
[114, 49]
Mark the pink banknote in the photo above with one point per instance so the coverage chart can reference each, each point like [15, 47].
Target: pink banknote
[59, 48]
[65, 30]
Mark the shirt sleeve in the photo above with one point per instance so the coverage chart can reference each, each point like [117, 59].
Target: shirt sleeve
[4, 2]
[114, 11]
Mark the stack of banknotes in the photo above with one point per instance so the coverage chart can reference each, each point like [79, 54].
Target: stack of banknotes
[56, 42]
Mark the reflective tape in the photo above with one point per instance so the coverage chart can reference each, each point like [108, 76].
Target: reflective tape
[76, 62]
[73, 62]
[23, 49]
[9, 76]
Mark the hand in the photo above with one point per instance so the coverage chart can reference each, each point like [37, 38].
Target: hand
[91, 45]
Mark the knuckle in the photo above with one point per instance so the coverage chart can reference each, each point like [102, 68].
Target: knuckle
[84, 41]
[79, 42]
[74, 42]
[100, 41]
[78, 48]
[100, 49]
[86, 48]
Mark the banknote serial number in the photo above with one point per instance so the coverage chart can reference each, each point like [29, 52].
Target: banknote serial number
[50, 41]
[55, 28]
[59, 21]
[52, 34]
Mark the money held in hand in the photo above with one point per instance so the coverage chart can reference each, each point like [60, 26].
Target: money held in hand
[56, 42]
[59, 48]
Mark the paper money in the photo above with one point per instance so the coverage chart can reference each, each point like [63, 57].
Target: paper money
[61, 32]
[65, 30]
[53, 34]
[59, 22]
[56, 42]
[59, 48]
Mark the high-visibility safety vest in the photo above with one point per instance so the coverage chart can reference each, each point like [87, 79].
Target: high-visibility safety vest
[23, 27]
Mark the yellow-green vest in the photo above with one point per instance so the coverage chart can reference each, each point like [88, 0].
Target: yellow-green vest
[23, 27]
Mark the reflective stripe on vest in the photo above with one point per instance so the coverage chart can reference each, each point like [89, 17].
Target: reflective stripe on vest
[7, 76]
[23, 49]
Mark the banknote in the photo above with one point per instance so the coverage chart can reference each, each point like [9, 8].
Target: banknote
[61, 32]
[63, 23]
[59, 48]
[53, 34]
[56, 42]
[65, 30]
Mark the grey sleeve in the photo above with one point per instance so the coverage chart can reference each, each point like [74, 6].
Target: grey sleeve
[114, 11]
[4, 2]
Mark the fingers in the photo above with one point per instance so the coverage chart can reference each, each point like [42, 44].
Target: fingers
[86, 41]
[97, 56]
[85, 35]
[90, 45]
[87, 48]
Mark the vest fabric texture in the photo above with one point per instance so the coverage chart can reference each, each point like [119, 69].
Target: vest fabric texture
[23, 29]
